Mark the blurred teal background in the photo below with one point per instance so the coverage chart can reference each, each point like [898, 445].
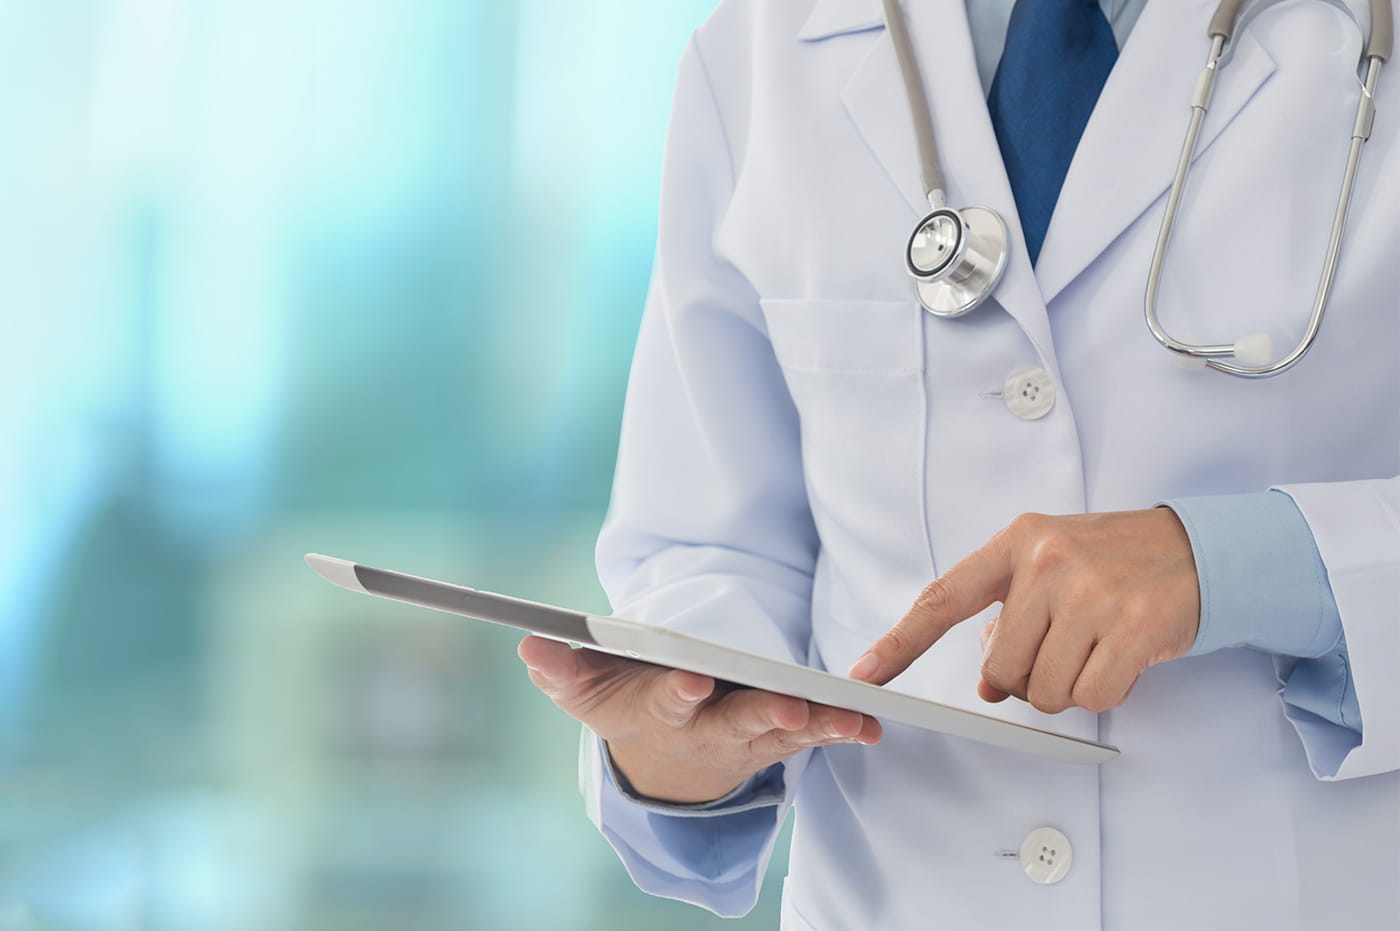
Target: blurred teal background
[267, 285]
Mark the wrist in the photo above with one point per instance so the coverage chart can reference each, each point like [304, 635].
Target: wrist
[667, 782]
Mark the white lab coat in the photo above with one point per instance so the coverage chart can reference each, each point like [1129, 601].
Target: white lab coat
[804, 449]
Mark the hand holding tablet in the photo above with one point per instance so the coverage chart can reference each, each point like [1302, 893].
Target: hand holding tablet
[690, 661]
[680, 736]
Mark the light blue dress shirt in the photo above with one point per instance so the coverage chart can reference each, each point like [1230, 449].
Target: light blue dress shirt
[1263, 586]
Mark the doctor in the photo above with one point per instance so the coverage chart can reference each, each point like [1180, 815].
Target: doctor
[807, 452]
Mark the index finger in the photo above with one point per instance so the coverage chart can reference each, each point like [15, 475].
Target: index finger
[979, 580]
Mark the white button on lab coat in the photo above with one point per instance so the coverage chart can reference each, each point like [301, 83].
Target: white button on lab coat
[804, 449]
[1046, 856]
[1029, 392]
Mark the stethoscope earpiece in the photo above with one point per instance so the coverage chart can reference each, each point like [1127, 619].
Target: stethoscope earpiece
[1256, 349]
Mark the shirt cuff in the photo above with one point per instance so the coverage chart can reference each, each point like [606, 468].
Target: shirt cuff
[762, 790]
[1262, 581]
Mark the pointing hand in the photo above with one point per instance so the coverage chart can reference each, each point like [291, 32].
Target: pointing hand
[1088, 602]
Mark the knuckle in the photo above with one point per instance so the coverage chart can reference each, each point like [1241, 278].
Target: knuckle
[842, 722]
[668, 715]
[787, 708]
[1030, 524]
[544, 684]
[1099, 693]
[1054, 550]
[1138, 608]
[786, 743]
[1000, 673]
[937, 595]
[657, 698]
[899, 647]
[1048, 700]
[992, 671]
[759, 713]
[895, 642]
[738, 726]
[1133, 628]
[1081, 593]
[1090, 698]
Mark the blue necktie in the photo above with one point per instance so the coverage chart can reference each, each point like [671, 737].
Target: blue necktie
[1058, 55]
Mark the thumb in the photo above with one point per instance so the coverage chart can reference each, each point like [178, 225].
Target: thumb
[606, 691]
[553, 666]
[678, 695]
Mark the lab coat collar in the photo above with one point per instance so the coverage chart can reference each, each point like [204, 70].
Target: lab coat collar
[838, 17]
[1127, 155]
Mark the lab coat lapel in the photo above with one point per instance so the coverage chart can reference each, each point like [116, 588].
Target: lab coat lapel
[1128, 153]
[875, 99]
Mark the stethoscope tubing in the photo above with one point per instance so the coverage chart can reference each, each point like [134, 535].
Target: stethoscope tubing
[1214, 356]
[946, 277]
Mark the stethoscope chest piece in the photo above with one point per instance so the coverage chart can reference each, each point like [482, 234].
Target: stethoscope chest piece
[957, 257]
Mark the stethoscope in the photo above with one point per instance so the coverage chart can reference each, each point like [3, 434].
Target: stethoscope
[957, 257]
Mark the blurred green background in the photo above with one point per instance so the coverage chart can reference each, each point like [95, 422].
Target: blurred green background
[270, 282]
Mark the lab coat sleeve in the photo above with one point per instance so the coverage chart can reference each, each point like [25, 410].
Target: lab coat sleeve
[687, 852]
[709, 529]
[1356, 526]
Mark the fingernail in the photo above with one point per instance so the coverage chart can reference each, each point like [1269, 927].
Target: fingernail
[864, 667]
[685, 696]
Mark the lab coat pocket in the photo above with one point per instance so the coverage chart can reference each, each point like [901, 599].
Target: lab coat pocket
[846, 337]
[854, 370]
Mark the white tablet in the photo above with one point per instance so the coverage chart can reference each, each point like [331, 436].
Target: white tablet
[663, 647]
